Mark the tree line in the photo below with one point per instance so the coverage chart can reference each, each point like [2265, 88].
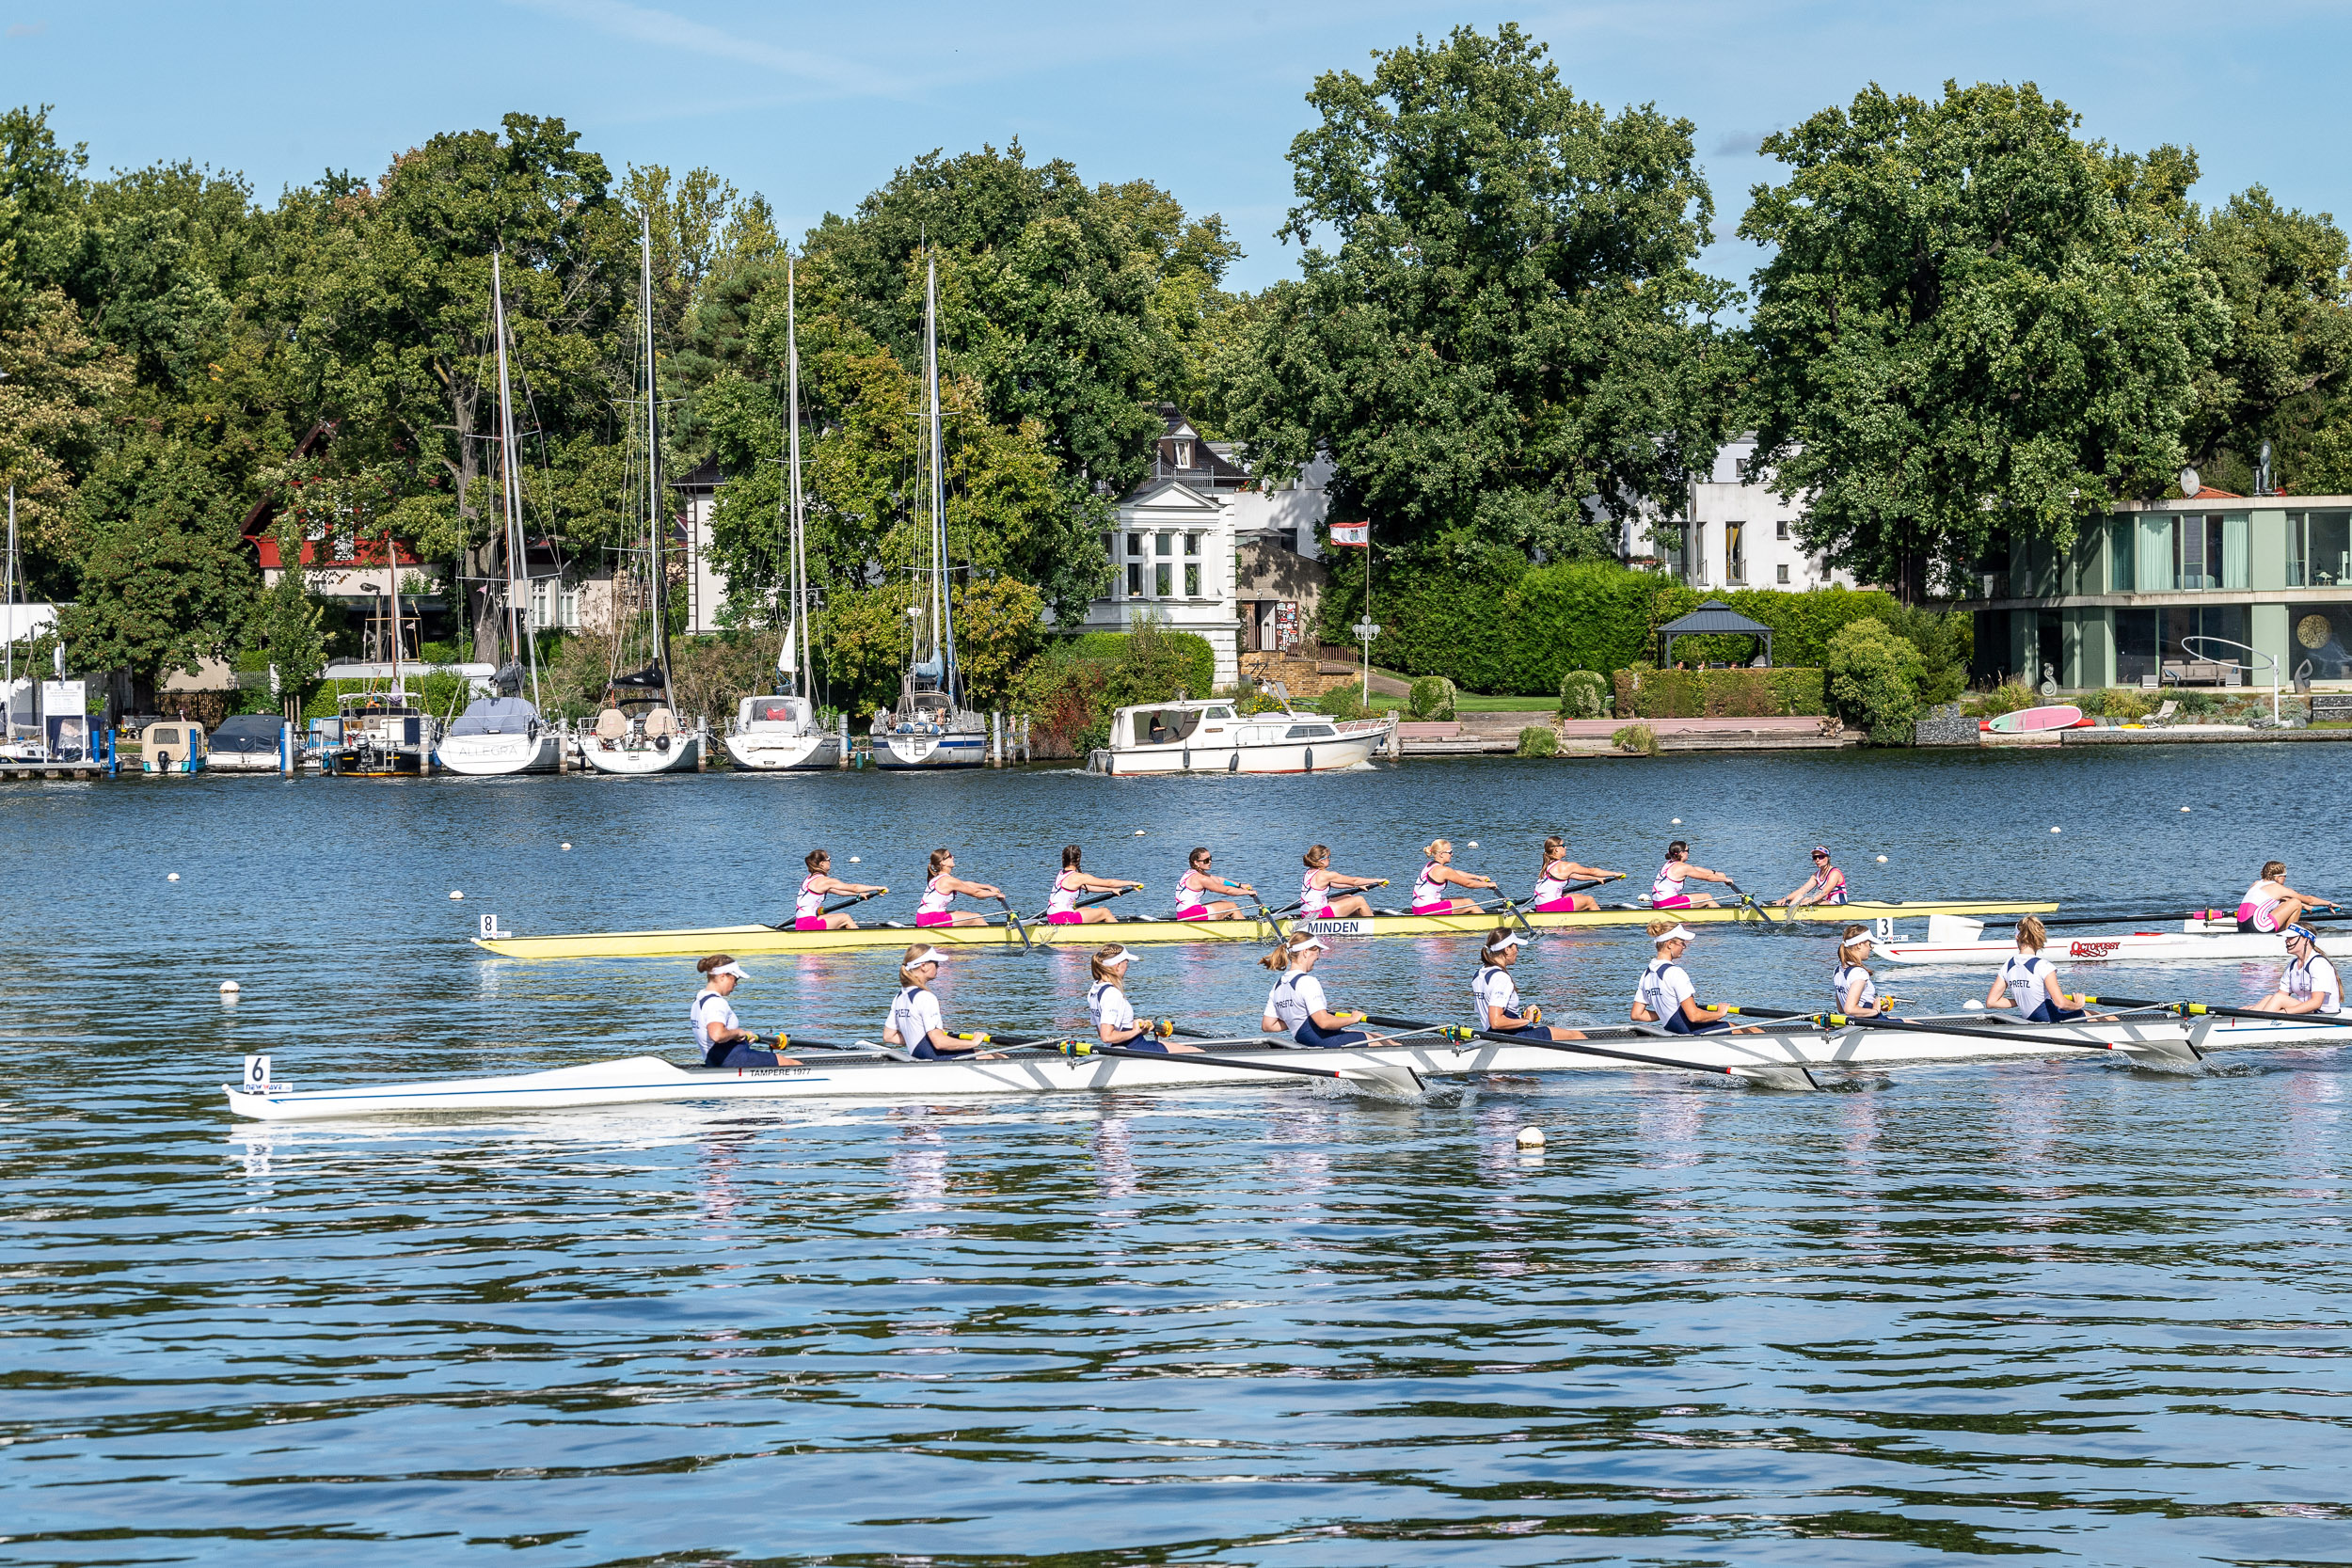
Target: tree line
[1974, 323]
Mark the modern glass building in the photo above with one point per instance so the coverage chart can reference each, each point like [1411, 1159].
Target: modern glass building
[2120, 607]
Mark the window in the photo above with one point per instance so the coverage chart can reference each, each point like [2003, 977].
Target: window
[1110, 546]
[1192, 544]
[2197, 552]
[1783, 571]
[1135, 579]
[1192, 579]
[1160, 586]
[2122, 562]
[1164, 544]
[554, 605]
[2317, 634]
[1184, 454]
[1780, 530]
[1695, 555]
[1735, 552]
[2319, 551]
[1135, 543]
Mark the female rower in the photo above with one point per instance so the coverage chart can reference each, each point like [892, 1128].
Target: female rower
[1314, 890]
[723, 1041]
[1114, 1018]
[808, 910]
[1061, 905]
[1194, 887]
[2270, 905]
[2311, 984]
[1670, 889]
[2029, 982]
[1827, 885]
[915, 1021]
[1857, 991]
[1552, 895]
[1429, 895]
[1666, 995]
[1297, 1004]
[942, 886]
[1495, 1000]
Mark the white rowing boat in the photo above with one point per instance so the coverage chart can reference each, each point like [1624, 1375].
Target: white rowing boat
[1959, 941]
[2149, 1039]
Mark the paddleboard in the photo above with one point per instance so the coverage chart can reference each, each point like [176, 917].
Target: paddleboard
[2030, 720]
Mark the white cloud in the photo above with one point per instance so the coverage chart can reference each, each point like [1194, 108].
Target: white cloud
[27, 29]
[668, 30]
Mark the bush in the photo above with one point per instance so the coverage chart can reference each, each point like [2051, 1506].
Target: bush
[2008, 697]
[1636, 738]
[1583, 694]
[1538, 741]
[1342, 702]
[1719, 693]
[1070, 687]
[1431, 697]
[1874, 679]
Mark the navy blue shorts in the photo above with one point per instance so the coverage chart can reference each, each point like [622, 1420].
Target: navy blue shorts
[1679, 1024]
[1308, 1035]
[739, 1054]
[2047, 1014]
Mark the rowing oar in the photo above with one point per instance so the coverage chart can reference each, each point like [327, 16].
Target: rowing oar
[1085, 903]
[2048, 921]
[1397, 1080]
[1792, 1075]
[2174, 1050]
[2188, 1009]
[1014, 916]
[832, 908]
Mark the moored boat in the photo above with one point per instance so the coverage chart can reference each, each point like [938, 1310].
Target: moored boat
[1214, 736]
[1952, 939]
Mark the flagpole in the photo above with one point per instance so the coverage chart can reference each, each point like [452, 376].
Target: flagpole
[1365, 701]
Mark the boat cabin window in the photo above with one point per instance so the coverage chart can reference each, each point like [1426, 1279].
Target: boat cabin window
[1163, 726]
[1310, 732]
[772, 710]
[1219, 713]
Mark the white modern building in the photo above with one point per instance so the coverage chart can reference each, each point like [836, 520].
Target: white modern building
[1733, 532]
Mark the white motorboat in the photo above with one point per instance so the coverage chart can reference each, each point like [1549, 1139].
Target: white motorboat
[772, 732]
[247, 743]
[1214, 736]
[499, 735]
[2146, 1039]
[931, 727]
[1955, 940]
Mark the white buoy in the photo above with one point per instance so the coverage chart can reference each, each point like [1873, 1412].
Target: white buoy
[2184, 808]
[1473, 843]
[228, 988]
[855, 859]
[454, 893]
[1138, 833]
[567, 846]
[172, 877]
[1975, 1004]
[2054, 830]
[1530, 1137]
[1678, 821]
[1882, 860]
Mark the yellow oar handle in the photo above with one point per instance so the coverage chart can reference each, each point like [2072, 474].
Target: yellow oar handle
[977, 1037]
[1349, 1018]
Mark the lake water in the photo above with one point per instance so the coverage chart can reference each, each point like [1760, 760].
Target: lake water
[2065, 1309]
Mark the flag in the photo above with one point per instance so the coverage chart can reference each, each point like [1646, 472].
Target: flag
[1352, 533]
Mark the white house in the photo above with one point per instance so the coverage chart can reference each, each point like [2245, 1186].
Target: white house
[1733, 532]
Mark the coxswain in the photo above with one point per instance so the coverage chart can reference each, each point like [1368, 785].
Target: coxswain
[942, 886]
[1436, 872]
[1827, 885]
[2310, 984]
[1671, 888]
[808, 910]
[723, 1041]
[2029, 982]
[1296, 1004]
[1552, 895]
[1856, 989]
[1115, 1016]
[1666, 995]
[1061, 905]
[1314, 890]
[915, 1022]
[1198, 882]
[2270, 905]
[1495, 999]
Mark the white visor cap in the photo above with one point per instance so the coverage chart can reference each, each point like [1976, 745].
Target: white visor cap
[1310, 944]
[734, 969]
[1680, 933]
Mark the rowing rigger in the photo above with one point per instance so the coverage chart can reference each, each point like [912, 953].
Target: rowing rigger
[650, 1080]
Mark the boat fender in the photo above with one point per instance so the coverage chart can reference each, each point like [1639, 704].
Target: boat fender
[661, 743]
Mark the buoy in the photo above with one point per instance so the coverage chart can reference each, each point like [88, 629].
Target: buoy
[1882, 860]
[1473, 843]
[228, 988]
[567, 846]
[1678, 821]
[174, 877]
[855, 859]
[2054, 830]
[1974, 1004]
[454, 893]
[1530, 1137]
[2184, 808]
[1138, 833]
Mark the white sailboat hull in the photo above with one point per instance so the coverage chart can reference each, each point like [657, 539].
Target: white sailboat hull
[763, 751]
[486, 755]
[636, 756]
[944, 749]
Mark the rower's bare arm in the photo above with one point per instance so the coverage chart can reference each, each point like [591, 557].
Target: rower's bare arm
[1271, 1025]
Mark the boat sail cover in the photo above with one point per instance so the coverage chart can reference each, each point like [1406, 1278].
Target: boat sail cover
[496, 716]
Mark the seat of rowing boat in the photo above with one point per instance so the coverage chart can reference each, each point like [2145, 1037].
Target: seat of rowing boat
[661, 721]
[612, 724]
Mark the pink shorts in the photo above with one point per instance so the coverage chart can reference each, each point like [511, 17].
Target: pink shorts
[1198, 912]
[1557, 906]
[809, 923]
[1680, 901]
[1065, 917]
[1446, 907]
[941, 917]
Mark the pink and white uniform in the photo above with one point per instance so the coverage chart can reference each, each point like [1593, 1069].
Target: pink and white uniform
[932, 909]
[1314, 903]
[1061, 905]
[1666, 891]
[808, 910]
[1552, 896]
[1190, 902]
[1429, 895]
[2256, 912]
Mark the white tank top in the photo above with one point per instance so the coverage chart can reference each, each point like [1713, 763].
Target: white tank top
[1109, 1005]
[913, 1014]
[1665, 885]
[1426, 889]
[2256, 908]
[1548, 887]
[1064, 898]
[811, 903]
[1187, 895]
[1295, 998]
[2021, 975]
[2319, 975]
[933, 901]
[1313, 900]
[1846, 974]
[1492, 993]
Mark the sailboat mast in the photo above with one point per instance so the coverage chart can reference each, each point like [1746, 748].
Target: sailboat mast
[8, 610]
[942, 623]
[797, 630]
[654, 541]
[518, 637]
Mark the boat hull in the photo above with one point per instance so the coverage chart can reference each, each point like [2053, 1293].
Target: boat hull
[947, 749]
[649, 1080]
[743, 940]
[489, 755]
[2118, 947]
[613, 756]
[242, 762]
[761, 752]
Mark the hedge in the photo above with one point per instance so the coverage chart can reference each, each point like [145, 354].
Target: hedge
[1200, 656]
[1525, 632]
[1720, 693]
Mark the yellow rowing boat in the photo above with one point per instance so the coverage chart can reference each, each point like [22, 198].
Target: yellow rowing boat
[755, 939]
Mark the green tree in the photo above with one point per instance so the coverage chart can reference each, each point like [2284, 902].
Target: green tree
[1511, 323]
[288, 623]
[1973, 324]
[166, 581]
[59, 384]
[1874, 677]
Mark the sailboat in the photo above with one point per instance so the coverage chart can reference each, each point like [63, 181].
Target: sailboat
[780, 731]
[503, 733]
[56, 727]
[637, 731]
[931, 727]
[381, 732]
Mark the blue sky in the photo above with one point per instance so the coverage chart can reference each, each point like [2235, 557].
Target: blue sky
[815, 104]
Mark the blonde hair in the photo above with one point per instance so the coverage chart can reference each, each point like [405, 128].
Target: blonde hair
[1553, 846]
[1659, 928]
[2273, 870]
[716, 960]
[1099, 964]
[1279, 959]
[2030, 933]
[1855, 936]
[939, 856]
[907, 965]
[1435, 845]
[1316, 856]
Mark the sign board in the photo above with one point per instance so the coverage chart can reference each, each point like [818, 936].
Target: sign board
[2331, 705]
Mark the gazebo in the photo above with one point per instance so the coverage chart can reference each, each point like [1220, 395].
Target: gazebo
[1713, 618]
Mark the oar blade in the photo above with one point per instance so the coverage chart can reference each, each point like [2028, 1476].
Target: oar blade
[1401, 1082]
[2171, 1055]
[1789, 1077]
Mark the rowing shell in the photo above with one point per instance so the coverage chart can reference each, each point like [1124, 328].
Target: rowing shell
[649, 1080]
[741, 940]
[2196, 940]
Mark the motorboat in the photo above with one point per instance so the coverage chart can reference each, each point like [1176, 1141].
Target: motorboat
[1216, 737]
[775, 732]
[247, 743]
[172, 746]
[379, 735]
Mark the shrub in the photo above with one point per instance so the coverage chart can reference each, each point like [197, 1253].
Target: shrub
[1874, 679]
[1431, 697]
[1719, 693]
[1538, 741]
[2008, 697]
[1583, 695]
[1340, 701]
[1636, 738]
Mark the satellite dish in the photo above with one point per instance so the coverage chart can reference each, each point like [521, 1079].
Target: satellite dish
[2189, 483]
